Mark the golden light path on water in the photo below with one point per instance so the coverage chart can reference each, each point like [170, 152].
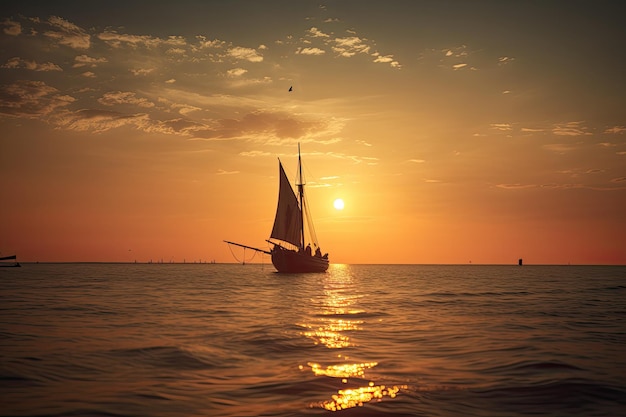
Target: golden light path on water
[338, 301]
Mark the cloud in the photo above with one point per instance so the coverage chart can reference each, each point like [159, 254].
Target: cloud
[99, 121]
[114, 57]
[570, 129]
[210, 44]
[350, 46]
[84, 60]
[11, 28]
[31, 99]
[124, 97]
[254, 154]
[310, 51]
[342, 46]
[141, 71]
[184, 109]
[245, 54]
[515, 186]
[565, 186]
[455, 58]
[236, 72]
[117, 40]
[501, 126]
[244, 82]
[388, 59]
[68, 34]
[17, 62]
[223, 172]
[316, 33]
[269, 126]
[180, 126]
[615, 130]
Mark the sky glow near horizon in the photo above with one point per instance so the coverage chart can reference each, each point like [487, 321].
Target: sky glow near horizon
[453, 132]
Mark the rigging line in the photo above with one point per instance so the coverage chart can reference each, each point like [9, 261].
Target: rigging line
[243, 262]
[232, 253]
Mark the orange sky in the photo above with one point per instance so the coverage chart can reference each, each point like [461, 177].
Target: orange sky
[454, 131]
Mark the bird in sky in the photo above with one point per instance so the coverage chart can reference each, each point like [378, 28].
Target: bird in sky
[291, 88]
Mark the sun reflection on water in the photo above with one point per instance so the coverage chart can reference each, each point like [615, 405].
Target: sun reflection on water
[332, 319]
[329, 333]
[343, 370]
[356, 397]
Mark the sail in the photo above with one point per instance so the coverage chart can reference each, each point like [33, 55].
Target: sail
[288, 221]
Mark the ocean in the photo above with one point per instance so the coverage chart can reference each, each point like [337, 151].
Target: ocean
[360, 340]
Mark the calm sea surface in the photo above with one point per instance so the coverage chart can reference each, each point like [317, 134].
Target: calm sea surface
[368, 340]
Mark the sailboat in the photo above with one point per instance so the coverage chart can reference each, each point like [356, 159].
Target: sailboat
[295, 246]
[9, 258]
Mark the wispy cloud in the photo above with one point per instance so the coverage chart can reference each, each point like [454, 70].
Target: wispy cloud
[17, 62]
[224, 172]
[11, 28]
[152, 65]
[316, 33]
[350, 46]
[139, 72]
[124, 97]
[457, 58]
[343, 46]
[118, 40]
[31, 99]
[501, 126]
[245, 54]
[85, 60]
[236, 72]
[570, 129]
[68, 34]
[310, 51]
[615, 130]
[516, 186]
[99, 121]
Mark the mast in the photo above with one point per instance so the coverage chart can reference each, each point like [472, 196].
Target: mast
[301, 197]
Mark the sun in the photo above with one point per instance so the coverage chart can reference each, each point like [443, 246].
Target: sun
[338, 204]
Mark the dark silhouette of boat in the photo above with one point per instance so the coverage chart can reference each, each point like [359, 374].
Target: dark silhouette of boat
[295, 246]
[3, 262]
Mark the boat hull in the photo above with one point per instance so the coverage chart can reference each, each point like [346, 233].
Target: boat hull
[290, 261]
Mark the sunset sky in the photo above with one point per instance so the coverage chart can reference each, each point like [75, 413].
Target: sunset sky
[454, 131]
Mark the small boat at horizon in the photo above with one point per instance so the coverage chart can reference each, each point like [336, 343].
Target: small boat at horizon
[9, 264]
[295, 246]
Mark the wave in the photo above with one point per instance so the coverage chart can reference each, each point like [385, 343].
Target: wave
[177, 358]
[549, 396]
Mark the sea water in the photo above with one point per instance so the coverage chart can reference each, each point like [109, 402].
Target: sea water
[362, 340]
